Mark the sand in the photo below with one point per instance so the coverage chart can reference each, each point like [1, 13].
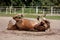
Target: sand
[5, 34]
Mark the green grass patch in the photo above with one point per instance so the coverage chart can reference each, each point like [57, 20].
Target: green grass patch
[6, 15]
[48, 17]
[53, 17]
[30, 16]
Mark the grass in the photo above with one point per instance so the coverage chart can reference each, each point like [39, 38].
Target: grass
[53, 17]
[30, 16]
[48, 17]
[7, 15]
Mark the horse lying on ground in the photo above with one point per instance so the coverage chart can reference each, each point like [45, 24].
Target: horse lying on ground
[29, 25]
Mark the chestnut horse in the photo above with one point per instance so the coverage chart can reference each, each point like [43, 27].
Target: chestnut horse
[26, 24]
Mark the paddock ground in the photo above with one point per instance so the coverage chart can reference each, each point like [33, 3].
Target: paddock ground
[5, 34]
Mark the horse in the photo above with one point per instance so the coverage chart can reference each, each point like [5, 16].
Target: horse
[30, 25]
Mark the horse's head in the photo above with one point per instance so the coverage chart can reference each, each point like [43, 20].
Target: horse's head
[43, 25]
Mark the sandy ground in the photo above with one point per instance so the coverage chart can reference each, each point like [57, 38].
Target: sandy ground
[5, 34]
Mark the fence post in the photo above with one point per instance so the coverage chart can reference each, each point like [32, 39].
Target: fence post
[43, 11]
[14, 10]
[6, 10]
[51, 10]
[36, 9]
[22, 10]
[10, 9]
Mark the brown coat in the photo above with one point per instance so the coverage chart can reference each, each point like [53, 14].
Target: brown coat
[26, 24]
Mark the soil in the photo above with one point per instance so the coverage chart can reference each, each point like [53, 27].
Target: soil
[5, 34]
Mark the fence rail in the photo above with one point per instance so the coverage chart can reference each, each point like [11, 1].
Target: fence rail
[30, 10]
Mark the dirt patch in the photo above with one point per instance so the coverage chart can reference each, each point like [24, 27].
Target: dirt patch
[5, 34]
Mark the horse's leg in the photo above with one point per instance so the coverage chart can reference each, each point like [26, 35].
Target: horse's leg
[13, 27]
